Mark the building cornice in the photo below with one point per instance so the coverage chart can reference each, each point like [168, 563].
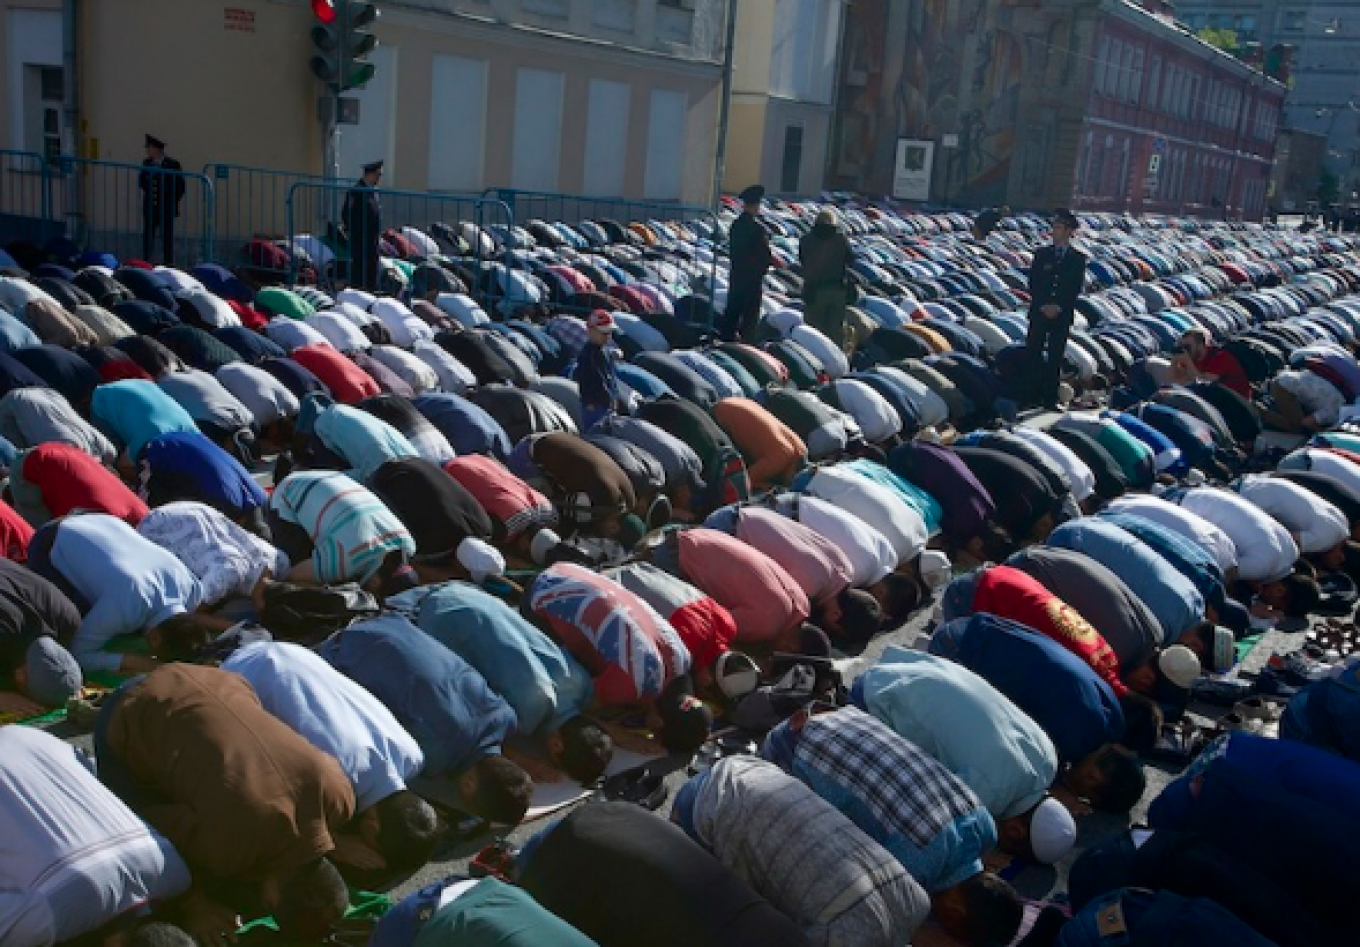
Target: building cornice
[478, 28]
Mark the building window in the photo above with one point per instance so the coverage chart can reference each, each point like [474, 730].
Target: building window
[791, 169]
[1293, 20]
[44, 89]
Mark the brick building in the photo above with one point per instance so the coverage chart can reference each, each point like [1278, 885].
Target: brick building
[1095, 104]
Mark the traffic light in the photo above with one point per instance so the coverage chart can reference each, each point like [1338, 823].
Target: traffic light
[342, 42]
[359, 43]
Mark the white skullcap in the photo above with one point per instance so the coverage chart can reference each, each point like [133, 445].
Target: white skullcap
[543, 542]
[1052, 831]
[935, 568]
[1180, 665]
[480, 559]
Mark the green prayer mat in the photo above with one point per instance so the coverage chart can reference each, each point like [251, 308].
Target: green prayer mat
[362, 904]
[1247, 645]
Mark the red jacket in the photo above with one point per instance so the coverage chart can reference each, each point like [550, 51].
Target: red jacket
[1016, 595]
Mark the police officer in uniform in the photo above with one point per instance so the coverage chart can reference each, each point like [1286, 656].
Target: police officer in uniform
[362, 217]
[1055, 282]
[749, 249]
[162, 189]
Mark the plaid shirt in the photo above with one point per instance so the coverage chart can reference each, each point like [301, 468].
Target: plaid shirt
[902, 798]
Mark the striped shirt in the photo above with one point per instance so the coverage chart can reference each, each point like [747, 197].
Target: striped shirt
[352, 530]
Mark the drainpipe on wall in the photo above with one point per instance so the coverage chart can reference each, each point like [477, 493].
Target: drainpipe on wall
[70, 102]
[720, 155]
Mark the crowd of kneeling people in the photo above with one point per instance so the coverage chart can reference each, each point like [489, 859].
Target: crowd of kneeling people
[456, 586]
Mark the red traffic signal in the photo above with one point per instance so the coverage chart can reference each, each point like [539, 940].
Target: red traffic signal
[324, 10]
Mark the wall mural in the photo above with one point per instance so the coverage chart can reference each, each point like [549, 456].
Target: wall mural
[926, 69]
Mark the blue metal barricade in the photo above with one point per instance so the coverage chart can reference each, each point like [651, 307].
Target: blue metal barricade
[252, 204]
[132, 211]
[327, 222]
[25, 212]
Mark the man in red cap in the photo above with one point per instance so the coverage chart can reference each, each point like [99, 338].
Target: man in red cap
[594, 372]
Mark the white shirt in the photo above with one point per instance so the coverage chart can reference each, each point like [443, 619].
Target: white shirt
[351, 312]
[1318, 397]
[1265, 550]
[993, 339]
[213, 310]
[785, 321]
[453, 375]
[823, 349]
[1193, 527]
[227, 559]
[1315, 524]
[423, 241]
[267, 398]
[1085, 362]
[461, 307]
[104, 324]
[339, 330]
[409, 368]
[177, 280]
[15, 294]
[1324, 462]
[876, 417]
[356, 297]
[1079, 475]
[317, 251]
[332, 713]
[406, 327]
[871, 555]
[291, 334]
[73, 856]
[931, 409]
[875, 505]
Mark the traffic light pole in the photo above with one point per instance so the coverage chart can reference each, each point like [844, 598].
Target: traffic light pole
[342, 42]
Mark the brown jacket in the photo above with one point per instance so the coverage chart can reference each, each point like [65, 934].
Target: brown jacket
[242, 794]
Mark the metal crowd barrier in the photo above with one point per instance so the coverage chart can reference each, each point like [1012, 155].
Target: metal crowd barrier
[319, 224]
[25, 212]
[252, 204]
[131, 211]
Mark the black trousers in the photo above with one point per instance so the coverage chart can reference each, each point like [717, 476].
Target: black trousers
[364, 267]
[1045, 344]
[158, 219]
[743, 310]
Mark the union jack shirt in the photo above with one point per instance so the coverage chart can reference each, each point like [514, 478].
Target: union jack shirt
[630, 650]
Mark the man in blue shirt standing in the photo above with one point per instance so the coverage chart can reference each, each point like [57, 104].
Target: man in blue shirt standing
[595, 372]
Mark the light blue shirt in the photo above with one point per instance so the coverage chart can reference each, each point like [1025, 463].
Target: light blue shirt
[545, 685]
[333, 714]
[965, 723]
[132, 584]
[136, 411]
[365, 441]
[1172, 597]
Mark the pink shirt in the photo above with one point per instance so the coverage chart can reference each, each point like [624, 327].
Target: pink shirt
[811, 560]
[763, 598]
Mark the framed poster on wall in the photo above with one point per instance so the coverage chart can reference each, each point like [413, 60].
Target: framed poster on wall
[912, 169]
